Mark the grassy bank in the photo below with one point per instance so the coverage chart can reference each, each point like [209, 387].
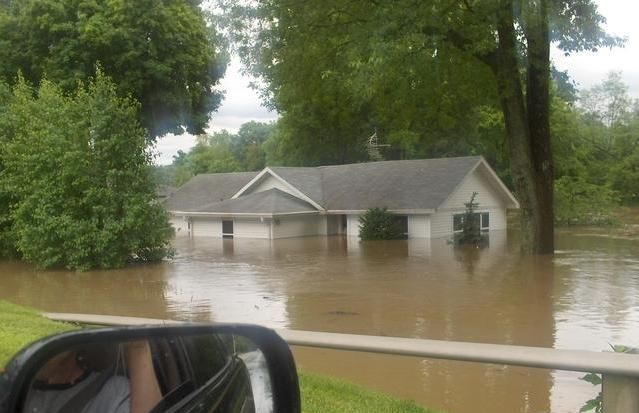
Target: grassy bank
[324, 394]
[20, 326]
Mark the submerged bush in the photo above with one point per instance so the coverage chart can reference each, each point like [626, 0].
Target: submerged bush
[379, 224]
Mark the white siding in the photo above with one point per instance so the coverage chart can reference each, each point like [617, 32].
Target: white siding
[180, 225]
[497, 218]
[297, 226]
[478, 181]
[251, 228]
[441, 224]
[488, 197]
[418, 226]
[206, 227]
[352, 225]
[268, 181]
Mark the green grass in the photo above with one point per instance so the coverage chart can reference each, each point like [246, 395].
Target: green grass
[20, 326]
[324, 394]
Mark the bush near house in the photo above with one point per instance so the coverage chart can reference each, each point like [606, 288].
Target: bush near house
[379, 224]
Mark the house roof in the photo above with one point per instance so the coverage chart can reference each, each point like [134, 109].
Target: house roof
[412, 184]
[271, 202]
[420, 184]
[206, 189]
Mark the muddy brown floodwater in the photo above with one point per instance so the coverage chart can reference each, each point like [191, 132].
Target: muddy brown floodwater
[584, 297]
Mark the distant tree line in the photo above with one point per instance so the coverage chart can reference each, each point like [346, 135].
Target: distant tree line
[246, 150]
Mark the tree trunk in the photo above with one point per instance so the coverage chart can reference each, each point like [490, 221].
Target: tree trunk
[538, 98]
[527, 124]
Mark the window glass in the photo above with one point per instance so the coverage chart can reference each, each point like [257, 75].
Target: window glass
[485, 220]
[458, 222]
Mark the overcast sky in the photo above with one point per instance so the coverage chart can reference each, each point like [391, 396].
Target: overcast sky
[241, 104]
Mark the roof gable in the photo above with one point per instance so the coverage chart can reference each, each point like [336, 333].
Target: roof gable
[270, 202]
[284, 185]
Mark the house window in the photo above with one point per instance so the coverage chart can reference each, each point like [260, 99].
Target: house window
[401, 221]
[458, 222]
[484, 221]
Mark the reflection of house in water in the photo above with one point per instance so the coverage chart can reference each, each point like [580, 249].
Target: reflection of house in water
[427, 195]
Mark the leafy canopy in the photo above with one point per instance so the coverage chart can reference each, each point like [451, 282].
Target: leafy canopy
[76, 181]
[162, 52]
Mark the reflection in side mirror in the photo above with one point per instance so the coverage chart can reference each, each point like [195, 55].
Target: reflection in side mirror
[239, 369]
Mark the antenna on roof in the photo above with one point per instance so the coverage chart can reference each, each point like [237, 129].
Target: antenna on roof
[373, 147]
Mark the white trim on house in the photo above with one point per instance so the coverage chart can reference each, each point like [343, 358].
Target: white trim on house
[362, 211]
[240, 214]
[293, 190]
[501, 185]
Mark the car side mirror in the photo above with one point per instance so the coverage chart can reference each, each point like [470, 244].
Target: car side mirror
[178, 368]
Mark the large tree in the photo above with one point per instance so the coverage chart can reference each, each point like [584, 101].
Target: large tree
[409, 64]
[162, 52]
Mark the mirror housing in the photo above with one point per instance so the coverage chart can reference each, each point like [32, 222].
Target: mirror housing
[21, 371]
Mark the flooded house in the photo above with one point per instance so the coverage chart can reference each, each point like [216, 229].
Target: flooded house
[427, 195]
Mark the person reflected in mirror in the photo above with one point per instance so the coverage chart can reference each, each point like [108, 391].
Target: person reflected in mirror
[66, 383]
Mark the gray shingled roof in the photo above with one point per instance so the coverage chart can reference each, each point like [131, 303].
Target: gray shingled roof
[306, 180]
[271, 201]
[206, 189]
[413, 184]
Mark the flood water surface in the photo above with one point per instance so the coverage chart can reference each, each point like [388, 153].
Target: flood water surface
[584, 297]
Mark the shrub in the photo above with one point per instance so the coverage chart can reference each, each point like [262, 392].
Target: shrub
[76, 189]
[378, 224]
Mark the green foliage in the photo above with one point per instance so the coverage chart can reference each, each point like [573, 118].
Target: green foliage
[336, 72]
[596, 404]
[379, 224]
[163, 53]
[222, 152]
[77, 179]
[597, 153]
[578, 202]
